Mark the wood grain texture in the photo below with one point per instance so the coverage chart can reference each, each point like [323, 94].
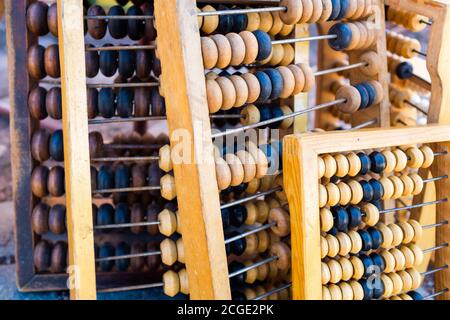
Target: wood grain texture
[76, 149]
[187, 109]
[300, 101]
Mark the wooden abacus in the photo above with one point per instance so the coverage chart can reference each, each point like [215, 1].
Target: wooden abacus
[338, 184]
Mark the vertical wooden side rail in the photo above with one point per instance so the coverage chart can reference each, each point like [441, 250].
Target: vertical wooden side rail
[187, 113]
[441, 166]
[18, 40]
[76, 150]
[298, 163]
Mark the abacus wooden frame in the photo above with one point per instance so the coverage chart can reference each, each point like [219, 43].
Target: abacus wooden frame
[301, 182]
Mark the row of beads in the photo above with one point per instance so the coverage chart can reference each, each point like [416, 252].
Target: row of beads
[253, 114]
[402, 45]
[398, 67]
[407, 19]
[399, 96]
[360, 96]
[251, 293]
[352, 35]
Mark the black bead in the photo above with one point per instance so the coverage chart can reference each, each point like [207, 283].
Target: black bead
[127, 63]
[135, 27]
[238, 190]
[125, 102]
[364, 96]
[121, 250]
[377, 237]
[365, 163]
[340, 218]
[378, 190]
[367, 190]
[106, 103]
[378, 162]
[106, 250]
[56, 146]
[233, 121]
[92, 62]
[264, 45]
[236, 266]
[239, 215]
[238, 296]
[265, 84]
[118, 28]
[355, 216]
[333, 231]
[108, 62]
[237, 247]
[404, 70]
[240, 22]
[226, 213]
[366, 240]
[277, 82]
[225, 22]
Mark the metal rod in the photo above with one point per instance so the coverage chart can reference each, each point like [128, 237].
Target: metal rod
[440, 153]
[128, 256]
[419, 53]
[239, 11]
[108, 17]
[402, 122]
[271, 292]
[123, 85]
[445, 245]
[414, 206]
[426, 273]
[131, 189]
[253, 266]
[133, 146]
[131, 119]
[339, 69]
[304, 39]
[416, 107]
[122, 48]
[287, 116]
[131, 288]
[249, 198]
[249, 232]
[226, 116]
[435, 179]
[428, 23]
[435, 225]
[126, 225]
[125, 159]
[436, 294]
[364, 124]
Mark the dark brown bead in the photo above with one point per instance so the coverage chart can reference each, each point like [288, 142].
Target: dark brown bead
[36, 66]
[137, 215]
[57, 219]
[138, 2]
[134, 138]
[150, 30]
[92, 102]
[122, 2]
[36, 103]
[152, 215]
[92, 62]
[40, 145]
[37, 18]
[56, 183]
[137, 263]
[39, 218]
[154, 176]
[51, 61]
[144, 63]
[96, 28]
[158, 103]
[59, 257]
[156, 65]
[141, 102]
[162, 139]
[42, 256]
[139, 175]
[53, 103]
[154, 261]
[52, 19]
[95, 144]
[39, 178]
[94, 214]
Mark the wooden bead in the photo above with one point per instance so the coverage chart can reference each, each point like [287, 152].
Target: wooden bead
[252, 213]
[57, 219]
[415, 157]
[36, 18]
[228, 92]
[326, 220]
[293, 13]
[299, 78]
[408, 231]
[352, 97]
[39, 218]
[282, 251]
[397, 234]
[323, 196]
[378, 89]
[345, 193]
[53, 103]
[399, 259]
[168, 252]
[358, 267]
[266, 21]
[241, 89]
[372, 61]
[335, 271]
[165, 160]
[310, 80]
[42, 256]
[358, 292]
[343, 166]
[224, 50]
[357, 191]
[387, 284]
[401, 158]
[251, 242]
[325, 273]
[238, 48]
[249, 165]
[36, 103]
[210, 52]
[333, 245]
[408, 185]
[180, 250]
[354, 164]
[388, 236]
[398, 187]
[210, 23]
[56, 183]
[330, 166]
[184, 281]
[416, 278]
[51, 61]
[396, 282]
[345, 243]
[428, 156]
[282, 226]
[409, 256]
[253, 186]
[347, 291]
[167, 222]
[389, 261]
[171, 283]
[96, 28]
[308, 8]
[333, 194]
[251, 115]
[323, 247]
[288, 82]
[36, 62]
[168, 189]
[356, 241]
[321, 167]
[263, 211]
[388, 188]
[59, 257]
[253, 85]
[390, 161]
[223, 173]
[40, 145]
[317, 11]
[251, 46]
[214, 95]
[263, 241]
[253, 21]
[277, 24]
[406, 279]
[286, 123]
[262, 164]
[289, 55]
[372, 214]
[252, 274]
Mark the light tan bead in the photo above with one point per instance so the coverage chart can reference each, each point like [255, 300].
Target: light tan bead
[325, 272]
[288, 81]
[416, 278]
[248, 164]
[390, 161]
[168, 188]
[408, 231]
[252, 274]
[323, 196]
[335, 291]
[330, 165]
[333, 245]
[308, 8]
[228, 92]
[418, 230]
[252, 213]
[372, 214]
[253, 21]
[396, 282]
[277, 55]
[333, 194]
[388, 236]
[388, 285]
[167, 222]
[237, 170]
[405, 296]
[210, 52]
[287, 30]
[171, 282]
[356, 241]
[224, 49]
[345, 193]
[358, 267]
[262, 165]
[263, 211]
[289, 55]
[389, 261]
[310, 80]
[321, 167]
[347, 268]
[398, 187]
[343, 166]
[401, 158]
[263, 241]
[327, 8]
[409, 256]
[358, 292]
[277, 24]
[240, 86]
[214, 95]
[397, 234]
[326, 295]
[354, 164]
[323, 247]
[251, 46]
[399, 259]
[266, 21]
[345, 243]
[317, 11]
[406, 279]
[326, 219]
[299, 78]
[210, 23]
[415, 157]
[373, 63]
[223, 173]
[282, 251]
[335, 271]
[180, 250]
[352, 97]
[357, 191]
[347, 291]
[408, 185]
[168, 252]
[254, 88]
[418, 183]
[428, 155]
[253, 186]
[282, 227]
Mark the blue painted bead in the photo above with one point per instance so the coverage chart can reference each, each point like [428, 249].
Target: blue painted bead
[240, 22]
[364, 96]
[265, 113]
[122, 213]
[366, 240]
[333, 231]
[335, 9]
[225, 21]
[378, 190]
[367, 191]
[365, 163]
[106, 250]
[105, 215]
[344, 5]
[56, 145]
[273, 157]
[127, 63]
[122, 249]
[225, 213]
[378, 261]
[355, 216]
[265, 84]
[367, 288]
[340, 218]
[125, 103]
[264, 45]
[276, 113]
[378, 162]
[378, 288]
[343, 35]
[415, 295]
[238, 190]
[239, 215]
[404, 70]
[369, 268]
[277, 82]
[371, 91]
[106, 103]
[377, 237]
[105, 178]
[122, 176]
